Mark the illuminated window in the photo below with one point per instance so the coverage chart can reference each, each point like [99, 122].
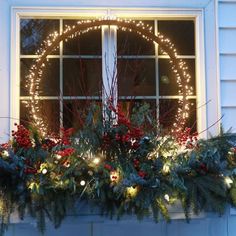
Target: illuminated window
[76, 72]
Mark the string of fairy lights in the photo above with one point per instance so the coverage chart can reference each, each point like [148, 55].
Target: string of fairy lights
[52, 42]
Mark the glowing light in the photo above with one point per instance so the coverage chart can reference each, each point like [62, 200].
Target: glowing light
[82, 182]
[114, 176]
[228, 181]
[178, 66]
[167, 197]
[96, 160]
[5, 153]
[44, 171]
[166, 153]
[67, 164]
[132, 191]
[58, 157]
[166, 168]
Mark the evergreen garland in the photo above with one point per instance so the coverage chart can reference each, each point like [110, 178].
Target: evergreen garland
[118, 166]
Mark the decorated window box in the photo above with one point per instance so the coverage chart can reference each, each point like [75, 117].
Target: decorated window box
[130, 153]
[118, 168]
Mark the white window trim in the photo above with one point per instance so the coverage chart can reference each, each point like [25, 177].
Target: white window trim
[207, 114]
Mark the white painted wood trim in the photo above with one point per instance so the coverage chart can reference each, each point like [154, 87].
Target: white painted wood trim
[200, 74]
[15, 70]
[212, 68]
[218, 61]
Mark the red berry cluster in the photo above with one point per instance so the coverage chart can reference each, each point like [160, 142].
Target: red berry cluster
[30, 170]
[136, 163]
[5, 146]
[141, 173]
[22, 136]
[202, 169]
[134, 132]
[31, 167]
[66, 136]
[48, 144]
[66, 152]
[108, 167]
[122, 119]
[132, 135]
[186, 138]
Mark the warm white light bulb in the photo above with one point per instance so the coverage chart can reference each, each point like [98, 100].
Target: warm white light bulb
[132, 191]
[58, 157]
[5, 153]
[166, 168]
[228, 181]
[96, 160]
[167, 197]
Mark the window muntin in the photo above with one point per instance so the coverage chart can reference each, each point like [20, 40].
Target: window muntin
[143, 67]
[74, 72]
[33, 32]
[71, 78]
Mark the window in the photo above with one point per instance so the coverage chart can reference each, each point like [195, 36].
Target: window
[75, 73]
[77, 70]
[206, 54]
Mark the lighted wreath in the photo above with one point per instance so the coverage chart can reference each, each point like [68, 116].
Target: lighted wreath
[178, 66]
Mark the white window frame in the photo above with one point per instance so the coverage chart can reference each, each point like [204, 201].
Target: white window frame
[207, 114]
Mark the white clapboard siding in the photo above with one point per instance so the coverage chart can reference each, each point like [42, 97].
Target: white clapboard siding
[228, 120]
[227, 38]
[229, 19]
[228, 93]
[228, 67]
[227, 49]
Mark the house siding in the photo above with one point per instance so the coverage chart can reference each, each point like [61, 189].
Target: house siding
[227, 55]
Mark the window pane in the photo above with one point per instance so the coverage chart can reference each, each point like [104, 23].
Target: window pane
[192, 121]
[76, 111]
[82, 77]
[49, 85]
[130, 43]
[181, 33]
[141, 112]
[168, 110]
[136, 77]
[34, 32]
[129, 105]
[87, 44]
[167, 79]
[49, 110]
